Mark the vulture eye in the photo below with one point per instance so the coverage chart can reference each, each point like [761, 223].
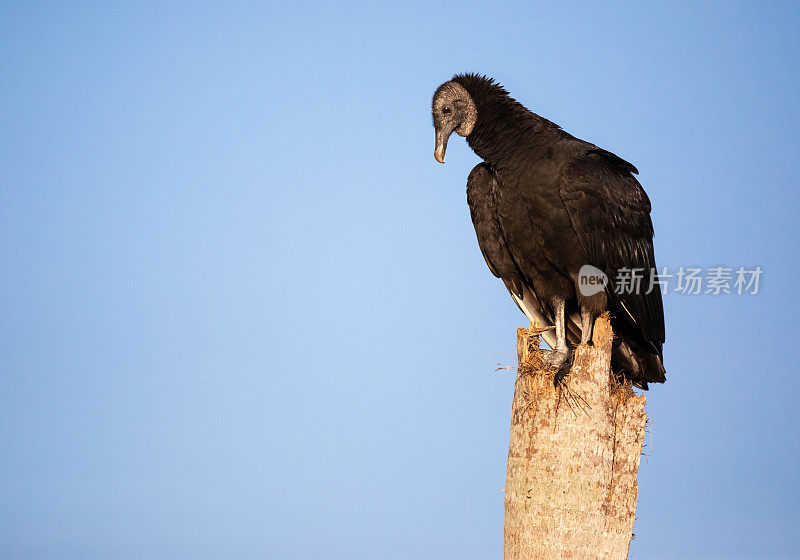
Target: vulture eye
[446, 111]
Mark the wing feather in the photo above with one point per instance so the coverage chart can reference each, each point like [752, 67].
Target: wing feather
[490, 237]
[610, 212]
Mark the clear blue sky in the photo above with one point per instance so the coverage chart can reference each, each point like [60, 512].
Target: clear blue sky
[243, 313]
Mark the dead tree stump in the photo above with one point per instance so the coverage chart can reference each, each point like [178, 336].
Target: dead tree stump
[573, 457]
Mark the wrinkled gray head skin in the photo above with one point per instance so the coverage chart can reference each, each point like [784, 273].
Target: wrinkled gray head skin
[453, 109]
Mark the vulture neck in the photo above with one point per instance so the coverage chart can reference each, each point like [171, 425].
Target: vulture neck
[506, 132]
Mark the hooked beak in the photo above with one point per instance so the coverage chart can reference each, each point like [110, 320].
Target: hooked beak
[442, 134]
[438, 153]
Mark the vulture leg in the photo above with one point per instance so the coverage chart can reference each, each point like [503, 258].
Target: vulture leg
[558, 358]
[587, 325]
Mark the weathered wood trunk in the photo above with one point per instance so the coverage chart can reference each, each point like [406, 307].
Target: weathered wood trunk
[573, 457]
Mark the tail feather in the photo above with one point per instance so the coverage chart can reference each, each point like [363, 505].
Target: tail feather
[637, 364]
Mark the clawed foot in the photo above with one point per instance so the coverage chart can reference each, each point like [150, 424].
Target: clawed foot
[559, 360]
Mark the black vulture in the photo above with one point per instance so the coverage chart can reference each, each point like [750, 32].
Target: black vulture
[548, 207]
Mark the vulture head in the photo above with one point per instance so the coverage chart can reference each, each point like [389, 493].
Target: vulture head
[453, 109]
